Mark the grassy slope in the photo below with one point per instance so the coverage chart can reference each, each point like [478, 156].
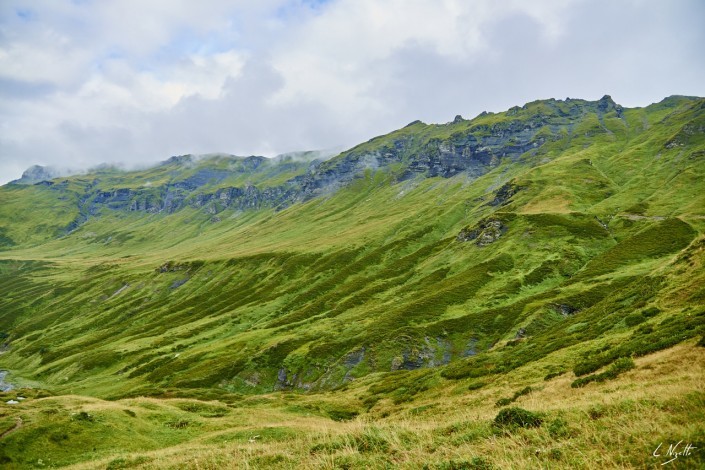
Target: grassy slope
[367, 280]
[613, 425]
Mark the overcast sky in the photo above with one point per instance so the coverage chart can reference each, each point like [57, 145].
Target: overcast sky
[84, 82]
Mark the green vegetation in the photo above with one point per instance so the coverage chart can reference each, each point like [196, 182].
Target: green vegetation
[619, 366]
[513, 398]
[376, 322]
[517, 417]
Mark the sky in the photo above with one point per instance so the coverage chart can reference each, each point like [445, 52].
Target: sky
[133, 82]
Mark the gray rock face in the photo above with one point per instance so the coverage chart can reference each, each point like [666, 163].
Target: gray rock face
[471, 348]
[426, 354]
[412, 359]
[565, 309]
[282, 379]
[5, 386]
[178, 283]
[485, 233]
[503, 195]
[470, 149]
[287, 381]
[351, 360]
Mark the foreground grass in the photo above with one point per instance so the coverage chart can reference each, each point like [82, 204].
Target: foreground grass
[616, 424]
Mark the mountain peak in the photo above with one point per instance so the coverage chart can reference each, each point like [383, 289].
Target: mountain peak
[36, 174]
[179, 160]
[606, 104]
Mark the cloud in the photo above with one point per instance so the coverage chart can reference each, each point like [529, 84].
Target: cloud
[129, 81]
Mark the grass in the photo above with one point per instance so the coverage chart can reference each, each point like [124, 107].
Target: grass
[357, 329]
[577, 427]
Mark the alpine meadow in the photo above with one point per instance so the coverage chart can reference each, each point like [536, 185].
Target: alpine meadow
[524, 289]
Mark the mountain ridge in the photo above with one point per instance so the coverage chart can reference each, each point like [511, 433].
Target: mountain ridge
[473, 147]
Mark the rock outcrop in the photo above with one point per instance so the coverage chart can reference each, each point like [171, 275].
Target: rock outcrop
[484, 233]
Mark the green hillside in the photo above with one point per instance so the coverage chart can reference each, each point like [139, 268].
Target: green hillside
[388, 307]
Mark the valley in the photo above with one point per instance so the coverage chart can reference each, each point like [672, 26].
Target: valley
[519, 290]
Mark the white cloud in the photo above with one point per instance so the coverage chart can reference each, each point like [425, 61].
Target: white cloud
[85, 82]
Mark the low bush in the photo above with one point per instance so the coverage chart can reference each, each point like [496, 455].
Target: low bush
[476, 385]
[84, 416]
[507, 401]
[517, 417]
[503, 402]
[619, 366]
[558, 429]
[475, 463]
[180, 424]
[646, 339]
[122, 462]
[342, 414]
[650, 312]
[634, 319]
[204, 409]
[370, 440]
[552, 375]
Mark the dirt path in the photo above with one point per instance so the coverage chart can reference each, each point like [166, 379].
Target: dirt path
[18, 425]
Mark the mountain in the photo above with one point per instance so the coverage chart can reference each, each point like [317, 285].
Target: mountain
[542, 252]
[37, 174]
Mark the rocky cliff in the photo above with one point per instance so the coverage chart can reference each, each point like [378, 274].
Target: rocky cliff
[473, 147]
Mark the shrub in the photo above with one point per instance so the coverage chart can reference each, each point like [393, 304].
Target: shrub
[622, 364]
[204, 409]
[269, 461]
[645, 329]
[634, 319]
[342, 414]
[650, 312]
[506, 401]
[327, 447]
[597, 362]
[558, 428]
[370, 440]
[476, 385]
[583, 381]
[503, 402]
[552, 375]
[517, 417]
[546, 270]
[83, 416]
[180, 424]
[476, 463]
[117, 463]
[660, 239]
[122, 462]
[596, 412]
